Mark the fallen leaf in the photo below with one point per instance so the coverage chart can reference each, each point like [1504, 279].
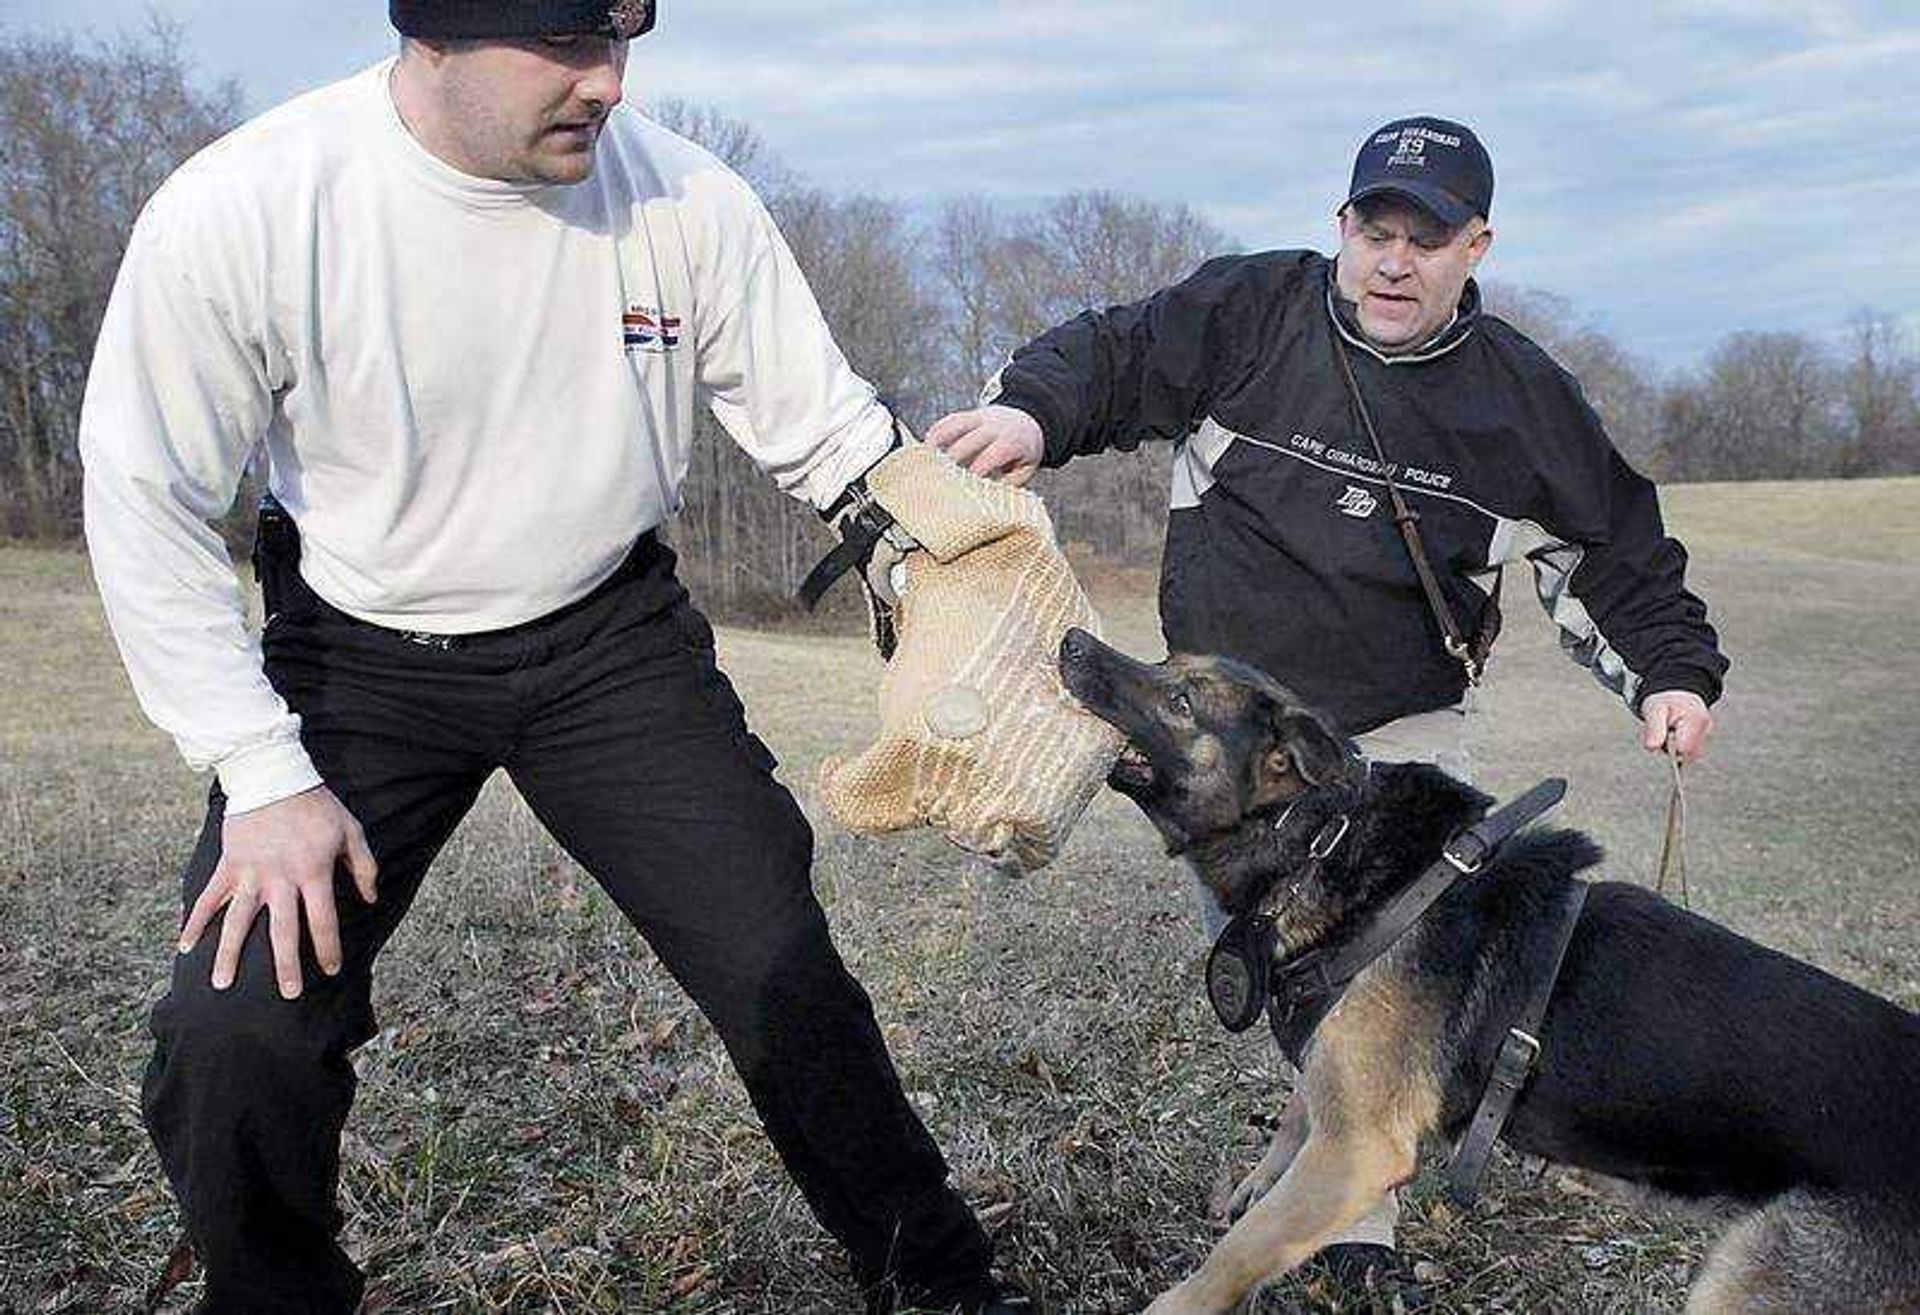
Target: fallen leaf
[178, 1268]
[690, 1282]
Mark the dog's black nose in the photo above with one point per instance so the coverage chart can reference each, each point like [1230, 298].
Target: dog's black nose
[1076, 643]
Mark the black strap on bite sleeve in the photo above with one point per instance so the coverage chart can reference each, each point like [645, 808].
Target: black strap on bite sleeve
[859, 533]
[861, 521]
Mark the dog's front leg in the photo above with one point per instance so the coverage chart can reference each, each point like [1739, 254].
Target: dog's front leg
[1331, 1183]
[1288, 1138]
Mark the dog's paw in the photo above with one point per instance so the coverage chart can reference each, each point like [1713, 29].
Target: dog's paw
[1228, 1204]
[1220, 1200]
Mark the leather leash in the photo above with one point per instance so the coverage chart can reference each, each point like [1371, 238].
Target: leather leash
[1673, 849]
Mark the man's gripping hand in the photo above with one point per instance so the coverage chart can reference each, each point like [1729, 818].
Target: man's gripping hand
[281, 858]
[1678, 713]
[994, 442]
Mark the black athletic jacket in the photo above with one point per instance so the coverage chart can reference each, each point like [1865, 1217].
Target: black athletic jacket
[1281, 549]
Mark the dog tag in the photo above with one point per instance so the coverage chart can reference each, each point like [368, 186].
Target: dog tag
[1238, 971]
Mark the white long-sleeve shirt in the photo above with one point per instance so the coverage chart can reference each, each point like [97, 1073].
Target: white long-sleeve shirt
[474, 395]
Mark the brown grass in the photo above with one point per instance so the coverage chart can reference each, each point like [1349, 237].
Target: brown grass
[545, 1124]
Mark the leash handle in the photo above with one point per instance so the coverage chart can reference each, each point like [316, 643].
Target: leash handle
[1673, 847]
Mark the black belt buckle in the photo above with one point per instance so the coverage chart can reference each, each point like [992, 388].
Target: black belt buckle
[1467, 852]
[1240, 970]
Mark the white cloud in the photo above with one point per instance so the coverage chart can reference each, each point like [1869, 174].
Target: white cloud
[1679, 168]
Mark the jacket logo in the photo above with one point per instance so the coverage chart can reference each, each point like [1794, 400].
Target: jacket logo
[1356, 502]
[647, 329]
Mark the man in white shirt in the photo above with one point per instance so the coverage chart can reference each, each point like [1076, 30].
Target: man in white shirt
[469, 303]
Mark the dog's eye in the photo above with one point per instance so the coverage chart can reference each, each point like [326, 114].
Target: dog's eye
[1182, 705]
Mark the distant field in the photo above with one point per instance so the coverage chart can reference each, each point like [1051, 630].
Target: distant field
[544, 1124]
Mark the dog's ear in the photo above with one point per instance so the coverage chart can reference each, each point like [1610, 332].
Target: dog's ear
[1317, 755]
[1303, 753]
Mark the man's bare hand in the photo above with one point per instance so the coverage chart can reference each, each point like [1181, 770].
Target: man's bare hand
[281, 858]
[1681, 714]
[995, 442]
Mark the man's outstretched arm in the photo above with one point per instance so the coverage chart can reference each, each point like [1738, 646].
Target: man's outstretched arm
[1614, 582]
[177, 397]
[993, 441]
[1118, 377]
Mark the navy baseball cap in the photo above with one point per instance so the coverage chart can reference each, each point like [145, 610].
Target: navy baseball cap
[1437, 163]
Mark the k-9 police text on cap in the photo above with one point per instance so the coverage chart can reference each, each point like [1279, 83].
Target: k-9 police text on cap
[1437, 163]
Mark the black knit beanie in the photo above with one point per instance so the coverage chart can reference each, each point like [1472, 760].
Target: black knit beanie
[455, 19]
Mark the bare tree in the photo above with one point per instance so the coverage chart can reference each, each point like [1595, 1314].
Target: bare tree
[966, 245]
[1106, 248]
[746, 545]
[86, 134]
[860, 258]
[1092, 249]
[1622, 389]
[1765, 406]
[1006, 278]
[734, 142]
[1880, 396]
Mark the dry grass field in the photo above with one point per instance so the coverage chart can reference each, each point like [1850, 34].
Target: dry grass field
[545, 1124]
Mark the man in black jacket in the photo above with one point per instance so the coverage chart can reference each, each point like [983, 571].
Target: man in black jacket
[1270, 370]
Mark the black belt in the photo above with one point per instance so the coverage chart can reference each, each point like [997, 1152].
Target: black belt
[276, 565]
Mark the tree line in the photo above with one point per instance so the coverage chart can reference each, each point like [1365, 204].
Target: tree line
[926, 304]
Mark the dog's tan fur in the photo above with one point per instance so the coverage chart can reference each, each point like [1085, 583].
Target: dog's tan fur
[1350, 1134]
[1732, 1279]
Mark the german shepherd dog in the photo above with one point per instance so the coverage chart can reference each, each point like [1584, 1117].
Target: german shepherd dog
[1675, 1055]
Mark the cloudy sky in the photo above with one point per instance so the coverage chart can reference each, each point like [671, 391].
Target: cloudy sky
[1678, 170]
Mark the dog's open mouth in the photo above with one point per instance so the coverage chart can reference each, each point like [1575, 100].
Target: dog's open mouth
[1087, 669]
[1132, 769]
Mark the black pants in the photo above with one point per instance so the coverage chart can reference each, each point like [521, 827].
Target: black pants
[630, 746]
